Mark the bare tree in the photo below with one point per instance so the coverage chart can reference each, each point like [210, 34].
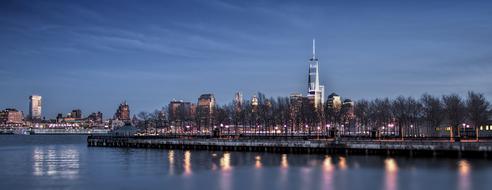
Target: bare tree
[477, 110]
[400, 110]
[433, 112]
[415, 115]
[361, 110]
[455, 110]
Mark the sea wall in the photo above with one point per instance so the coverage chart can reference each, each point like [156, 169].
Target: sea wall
[366, 147]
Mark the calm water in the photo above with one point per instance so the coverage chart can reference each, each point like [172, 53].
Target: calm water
[65, 162]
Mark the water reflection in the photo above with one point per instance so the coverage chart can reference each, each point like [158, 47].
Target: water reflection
[327, 164]
[187, 163]
[391, 174]
[464, 169]
[226, 175]
[283, 178]
[342, 163]
[46, 166]
[170, 158]
[258, 164]
[225, 162]
[328, 172]
[284, 163]
[57, 163]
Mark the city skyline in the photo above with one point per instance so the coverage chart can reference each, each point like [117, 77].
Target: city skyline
[92, 60]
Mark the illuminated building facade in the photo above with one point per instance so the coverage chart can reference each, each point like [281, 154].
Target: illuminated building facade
[181, 111]
[35, 107]
[316, 92]
[205, 108]
[334, 101]
[11, 116]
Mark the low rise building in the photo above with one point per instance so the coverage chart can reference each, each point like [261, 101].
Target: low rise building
[11, 116]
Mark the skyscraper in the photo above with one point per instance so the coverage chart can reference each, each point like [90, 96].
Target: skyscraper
[180, 110]
[35, 107]
[205, 108]
[316, 92]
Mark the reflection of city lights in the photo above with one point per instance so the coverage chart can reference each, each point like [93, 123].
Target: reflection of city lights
[59, 163]
[225, 162]
[390, 165]
[170, 158]
[464, 167]
[284, 163]
[391, 178]
[258, 164]
[342, 164]
[187, 163]
[328, 173]
[327, 165]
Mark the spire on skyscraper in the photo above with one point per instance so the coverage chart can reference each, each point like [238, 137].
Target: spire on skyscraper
[314, 51]
[315, 90]
[314, 48]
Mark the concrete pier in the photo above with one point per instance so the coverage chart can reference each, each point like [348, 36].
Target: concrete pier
[366, 147]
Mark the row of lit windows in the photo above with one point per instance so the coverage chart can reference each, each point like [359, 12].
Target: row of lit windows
[486, 128]
[482, 128]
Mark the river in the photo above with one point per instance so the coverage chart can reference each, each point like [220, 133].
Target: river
[65, 162]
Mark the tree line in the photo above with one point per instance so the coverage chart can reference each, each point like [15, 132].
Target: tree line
[404, 117]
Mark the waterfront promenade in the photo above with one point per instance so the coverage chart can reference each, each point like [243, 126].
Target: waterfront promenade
[411, 148]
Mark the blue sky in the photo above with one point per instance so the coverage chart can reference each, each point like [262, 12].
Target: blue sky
[94, 54]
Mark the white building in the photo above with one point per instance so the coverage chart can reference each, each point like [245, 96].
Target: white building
[316, 92]
[35, 107]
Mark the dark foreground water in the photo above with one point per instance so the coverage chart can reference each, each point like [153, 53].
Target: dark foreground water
[65, 162]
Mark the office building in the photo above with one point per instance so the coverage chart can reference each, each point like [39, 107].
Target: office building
[35, 107]
[316, 92]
